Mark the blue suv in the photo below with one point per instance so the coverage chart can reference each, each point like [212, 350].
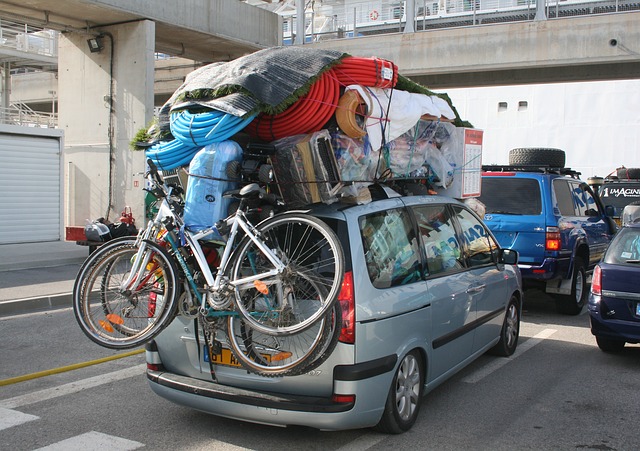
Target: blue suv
[555, 222]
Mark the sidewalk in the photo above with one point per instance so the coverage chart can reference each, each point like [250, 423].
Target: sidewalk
[38, 276]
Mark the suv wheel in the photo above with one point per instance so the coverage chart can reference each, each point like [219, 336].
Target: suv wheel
[405, 396]
[573, 303]
[527, 156]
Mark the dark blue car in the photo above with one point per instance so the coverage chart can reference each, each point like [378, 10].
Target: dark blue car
[614, 301]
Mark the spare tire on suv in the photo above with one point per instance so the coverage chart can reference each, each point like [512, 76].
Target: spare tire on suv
[537, 156]
[628, 173]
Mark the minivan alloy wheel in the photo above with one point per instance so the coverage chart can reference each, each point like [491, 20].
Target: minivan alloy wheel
[408, 387]
[512, 323]
[405, 395]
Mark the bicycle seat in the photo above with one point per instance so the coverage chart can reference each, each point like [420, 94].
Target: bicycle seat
[252, 190]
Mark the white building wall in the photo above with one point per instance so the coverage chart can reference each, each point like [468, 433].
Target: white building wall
[596, 123]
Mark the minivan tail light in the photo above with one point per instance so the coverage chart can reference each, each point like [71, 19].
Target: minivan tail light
[596, 281]
[347, 301]
[552, 239]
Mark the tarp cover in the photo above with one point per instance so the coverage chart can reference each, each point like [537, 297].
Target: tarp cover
[268, 80]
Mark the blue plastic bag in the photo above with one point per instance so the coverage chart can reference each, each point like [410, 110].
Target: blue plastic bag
[204, 204]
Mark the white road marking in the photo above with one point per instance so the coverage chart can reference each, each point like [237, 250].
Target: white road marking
[93, 441]
[498, 363]
[72, 387]
[363, 442]
[9, 418]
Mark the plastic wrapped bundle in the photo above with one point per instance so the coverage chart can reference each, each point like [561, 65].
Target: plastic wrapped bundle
[204, 202]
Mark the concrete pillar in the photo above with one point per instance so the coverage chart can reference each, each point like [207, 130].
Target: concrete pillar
[410, 15]
[300, 29]
[541, 14]
[104, 99]
[6, 87]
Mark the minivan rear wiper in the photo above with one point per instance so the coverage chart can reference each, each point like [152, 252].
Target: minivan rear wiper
[632, 261]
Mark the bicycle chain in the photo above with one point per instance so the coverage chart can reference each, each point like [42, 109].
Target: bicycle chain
[209, 328]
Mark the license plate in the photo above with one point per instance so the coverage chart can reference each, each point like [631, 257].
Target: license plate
[225, 357]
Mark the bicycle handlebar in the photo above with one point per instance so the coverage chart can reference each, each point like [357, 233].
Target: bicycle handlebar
[153, 171]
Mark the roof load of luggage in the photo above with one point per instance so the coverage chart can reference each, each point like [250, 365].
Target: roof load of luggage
[325, 123]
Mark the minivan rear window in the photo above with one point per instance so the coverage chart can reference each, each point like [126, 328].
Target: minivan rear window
[511, 196]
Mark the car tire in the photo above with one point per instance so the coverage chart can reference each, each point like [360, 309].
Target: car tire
[628, 173]
[573, 303]
[533, 156]
[610, 345]
[510, 331]
[405, 396]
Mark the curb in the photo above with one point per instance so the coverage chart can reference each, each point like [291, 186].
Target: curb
[35, 304]
[16, 266]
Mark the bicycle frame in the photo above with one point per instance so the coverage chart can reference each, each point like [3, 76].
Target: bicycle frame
[216, 286]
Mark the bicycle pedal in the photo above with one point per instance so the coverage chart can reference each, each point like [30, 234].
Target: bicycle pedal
[216, 347]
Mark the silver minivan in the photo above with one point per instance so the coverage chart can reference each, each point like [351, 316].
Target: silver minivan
[427, 290]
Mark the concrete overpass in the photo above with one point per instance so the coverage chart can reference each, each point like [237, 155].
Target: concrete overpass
[580, 48]
[583, 48]
[202, 30]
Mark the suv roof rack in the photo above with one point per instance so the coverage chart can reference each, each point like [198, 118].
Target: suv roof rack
[542, 168]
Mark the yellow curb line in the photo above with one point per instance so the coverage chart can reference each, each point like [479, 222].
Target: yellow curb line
[63, 369]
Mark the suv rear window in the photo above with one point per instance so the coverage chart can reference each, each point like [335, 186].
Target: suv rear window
[619, 195]
[511, 196]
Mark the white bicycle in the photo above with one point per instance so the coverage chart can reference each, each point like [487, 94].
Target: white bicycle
[273, 291]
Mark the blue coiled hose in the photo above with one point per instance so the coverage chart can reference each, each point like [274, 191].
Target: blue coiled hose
[171, 154]
[202, 129]
[193, 131]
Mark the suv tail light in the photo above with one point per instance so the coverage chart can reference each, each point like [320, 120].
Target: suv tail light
[347, 301]
[552, 239]
[596, 281]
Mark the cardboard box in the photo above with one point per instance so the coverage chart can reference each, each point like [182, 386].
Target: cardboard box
[464, 149]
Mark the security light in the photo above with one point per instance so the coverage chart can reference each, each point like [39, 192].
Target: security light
[95, 44]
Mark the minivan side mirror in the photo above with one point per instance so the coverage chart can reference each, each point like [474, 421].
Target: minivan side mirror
[508, 256]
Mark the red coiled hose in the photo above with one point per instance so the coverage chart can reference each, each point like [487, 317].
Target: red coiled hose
[377, 72]
[308, 114]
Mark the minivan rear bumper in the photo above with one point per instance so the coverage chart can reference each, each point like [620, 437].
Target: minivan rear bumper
[369, 382]
[212, 390]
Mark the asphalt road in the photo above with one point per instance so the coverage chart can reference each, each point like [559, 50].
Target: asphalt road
[558, 392]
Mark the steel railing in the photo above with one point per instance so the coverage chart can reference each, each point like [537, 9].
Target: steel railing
[349, 19]
[28, 39]
[26, 117]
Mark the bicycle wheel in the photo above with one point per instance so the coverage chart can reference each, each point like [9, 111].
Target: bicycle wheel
[288, 355]
[305, 291]
[119, 317]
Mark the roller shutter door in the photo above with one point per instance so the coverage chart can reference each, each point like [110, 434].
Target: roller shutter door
[29, 189]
